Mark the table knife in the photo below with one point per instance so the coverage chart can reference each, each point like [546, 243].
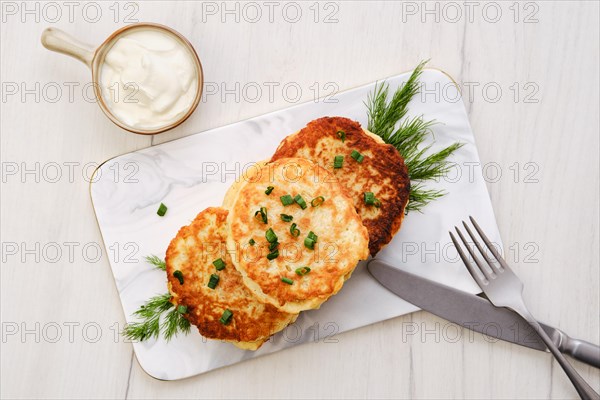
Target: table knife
[476, 313]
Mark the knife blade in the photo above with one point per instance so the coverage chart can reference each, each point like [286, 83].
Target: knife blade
[476, 313]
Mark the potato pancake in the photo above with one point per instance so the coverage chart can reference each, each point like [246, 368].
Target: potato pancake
[296, 233]
[193, 264]
[368, 166]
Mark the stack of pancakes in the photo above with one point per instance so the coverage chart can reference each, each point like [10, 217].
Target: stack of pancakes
[289, 233]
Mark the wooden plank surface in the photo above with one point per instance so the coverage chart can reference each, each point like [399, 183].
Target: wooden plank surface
[530, 84]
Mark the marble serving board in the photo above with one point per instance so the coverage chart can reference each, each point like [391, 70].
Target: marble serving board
[193, 173]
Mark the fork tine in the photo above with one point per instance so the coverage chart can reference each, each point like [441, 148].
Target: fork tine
[466, 261]
[489, 245]
[478, 245]
[472, 253]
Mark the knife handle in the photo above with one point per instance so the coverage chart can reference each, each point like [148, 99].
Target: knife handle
[581, 350]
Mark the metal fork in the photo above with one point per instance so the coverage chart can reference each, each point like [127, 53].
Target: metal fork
[504, 289]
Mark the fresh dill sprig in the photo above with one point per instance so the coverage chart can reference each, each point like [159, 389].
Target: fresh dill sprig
[150, 324]
[383, 116]
[174, 322]
[408, 137]
[420, 197]
[156, 261]
[153, 320]
[433, 166]
[149, 313]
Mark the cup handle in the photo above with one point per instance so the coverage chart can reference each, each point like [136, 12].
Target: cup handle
[61, 42]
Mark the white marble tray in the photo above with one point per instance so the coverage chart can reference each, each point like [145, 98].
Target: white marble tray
[194, 172]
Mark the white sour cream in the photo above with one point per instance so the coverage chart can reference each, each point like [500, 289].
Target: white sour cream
[149, 79]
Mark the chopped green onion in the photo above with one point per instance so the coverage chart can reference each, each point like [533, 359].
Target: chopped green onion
[226, 317]
[342, 135]
[269, 190]
[369, 198]
[219, 264]
[261, 215]
[273, 255]
[310, 240]
[252, 242]
[302, 271]
[309, 243]
[162, 210]
[338, 161]
[357, 156]
[214, 279]
[294, 231]
[317, 201]
[181, 309]
[273, 246]
[286, 218]
[179, 275]
[300, 201]
[286, 200]
[271, 236]
[287, 280]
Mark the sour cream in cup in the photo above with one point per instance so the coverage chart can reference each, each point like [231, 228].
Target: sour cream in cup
[147, 77]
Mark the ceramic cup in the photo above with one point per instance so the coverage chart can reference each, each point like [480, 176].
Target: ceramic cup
[59, 41]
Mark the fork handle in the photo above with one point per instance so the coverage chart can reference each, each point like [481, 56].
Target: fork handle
[583, 388]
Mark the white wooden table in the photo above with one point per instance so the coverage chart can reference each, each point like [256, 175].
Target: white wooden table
[530, 84]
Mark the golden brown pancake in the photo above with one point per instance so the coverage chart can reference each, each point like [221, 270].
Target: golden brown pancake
[342, 239]
[382, 171]
[192, 252]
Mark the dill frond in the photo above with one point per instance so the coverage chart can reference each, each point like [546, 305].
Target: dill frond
[408, 137]
[150, 325]
[156, 261]
[153, 320]
[383, 116]
[423, 168]
[173, 323]
[420, 197]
